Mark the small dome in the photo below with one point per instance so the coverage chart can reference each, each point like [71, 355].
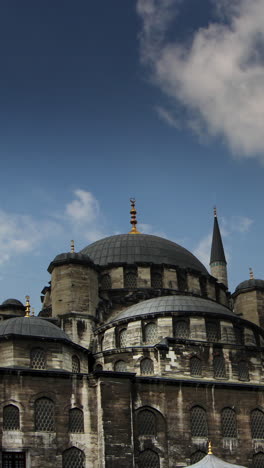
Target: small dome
[170, 304]
[250, 284]
[70, 257]
[141, 248]
[12, 302]
[32, 327]
[210, 461]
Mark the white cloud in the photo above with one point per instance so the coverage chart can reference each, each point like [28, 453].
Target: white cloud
[218, 75]
[203, 250]
[168, 117]
[149, 229]
[84, 209]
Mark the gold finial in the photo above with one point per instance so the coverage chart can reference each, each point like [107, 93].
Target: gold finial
[210, 451]
[133, 213]
[215, 213]
[72, 246]
[27, 307]
[251, 274]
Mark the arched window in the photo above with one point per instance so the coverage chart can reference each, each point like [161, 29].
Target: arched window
[213, 331]
[75, 364]
[229, 425]
[106, 282]
[148, 459]
[156, 280]
[182, 280]
[11, 418]
[203, 286]
[239, 335]
[130, 280]
[198, 422]
[243, 373]
[219, 367]
[195, 366]
[257, 424]
[38, 358]
[151, 333]
[98, 367]
[181, 329]
[197, 456]
[44, 415]
[146, 366]
[147, 424]
[73, 458]
[76, 423]
[123, 338]
[258, 460]
[120, 366]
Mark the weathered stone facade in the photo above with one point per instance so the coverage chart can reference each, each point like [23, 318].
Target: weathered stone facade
[136, 360]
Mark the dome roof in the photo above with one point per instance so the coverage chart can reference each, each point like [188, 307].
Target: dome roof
[70, 257]
[210, 461]
[250, 284]
[12, 302]
[177, 303]
[141, 248]
[31, 327]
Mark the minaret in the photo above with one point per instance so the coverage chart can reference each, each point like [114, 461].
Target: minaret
[217, 260]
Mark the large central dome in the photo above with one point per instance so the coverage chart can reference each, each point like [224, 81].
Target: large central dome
[141, 248]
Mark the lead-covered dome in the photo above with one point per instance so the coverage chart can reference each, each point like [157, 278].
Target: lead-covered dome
[250, 284]
[177, 303]
[33, 327]
[141, 248]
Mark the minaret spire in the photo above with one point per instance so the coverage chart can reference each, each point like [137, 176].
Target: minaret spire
[218, 260]
[133, 213]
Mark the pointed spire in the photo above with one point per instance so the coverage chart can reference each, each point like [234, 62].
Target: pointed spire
[27, 307]
[218, 260]
[217, 249]
[133, 213]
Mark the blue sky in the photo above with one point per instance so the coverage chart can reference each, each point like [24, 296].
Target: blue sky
[161, 100]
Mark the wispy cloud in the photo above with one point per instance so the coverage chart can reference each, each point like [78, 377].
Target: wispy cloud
[218, 75]
[149, 229]
[168, 117]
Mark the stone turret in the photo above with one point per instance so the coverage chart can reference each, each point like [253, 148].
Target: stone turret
[218, 260]
[74, 294]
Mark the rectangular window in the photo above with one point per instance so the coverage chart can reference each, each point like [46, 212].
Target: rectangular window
[13, 460]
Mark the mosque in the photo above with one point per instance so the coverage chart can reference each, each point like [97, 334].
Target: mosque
[138, 358]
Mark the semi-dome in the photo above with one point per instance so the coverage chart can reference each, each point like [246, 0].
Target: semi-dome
[177, 303]
[31, 327]
[141, 248]
[66, 258]
[250, 284]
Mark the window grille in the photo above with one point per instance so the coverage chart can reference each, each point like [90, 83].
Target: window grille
[257, 424]
[148, 459]
[38, 358]
[11, 418]
[13, 459]
[147, 367]
[258, 460]
[75, 364]
[120, 366]
[195, 366]
[238, 335]
[147, 423]
[106, 282]
[130, 280]
[181, 329]
[229, 426]
[73, 458]
[156, 280]
[76, 423]
[123, 338]
[197, 456]
[203, 286]
[44, 415]
[249, 337]
[182, 280]
[151, 333]
[212, 331]
[219, 367]
[198, 422]
[243, 372]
